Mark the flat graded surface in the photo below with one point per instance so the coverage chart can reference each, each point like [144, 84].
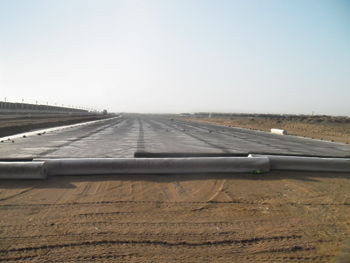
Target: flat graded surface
[122, 137]
[274, 217]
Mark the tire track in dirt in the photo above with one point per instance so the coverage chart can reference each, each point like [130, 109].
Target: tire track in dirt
[160, 237]
[15, 195]
[166, 193]
[11, 206]
[165, 243]
[231, 223]
[145, 190]
[94, 250]
[104, 192]
[114, 256]
[111, 189]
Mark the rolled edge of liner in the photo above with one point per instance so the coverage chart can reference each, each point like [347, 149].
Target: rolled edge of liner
[23, 170]
[111, 166]
[311, 164]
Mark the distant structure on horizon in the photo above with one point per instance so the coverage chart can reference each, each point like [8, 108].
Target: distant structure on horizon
[27, 108]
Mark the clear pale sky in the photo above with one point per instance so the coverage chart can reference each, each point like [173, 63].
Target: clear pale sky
[178, 56]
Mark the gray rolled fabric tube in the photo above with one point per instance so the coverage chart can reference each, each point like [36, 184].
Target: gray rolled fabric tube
[23, 170]
[96, 166]
[316, 164]
[310, 164]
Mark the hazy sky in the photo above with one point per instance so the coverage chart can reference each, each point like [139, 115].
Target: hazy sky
[178, 56]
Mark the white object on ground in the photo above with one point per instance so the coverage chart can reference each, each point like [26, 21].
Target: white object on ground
[278, 131]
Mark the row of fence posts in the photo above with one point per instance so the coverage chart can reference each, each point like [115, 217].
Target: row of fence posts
[15, 107]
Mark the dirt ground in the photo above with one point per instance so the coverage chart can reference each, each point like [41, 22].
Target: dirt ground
[319, 127]
[14, 124]
[273, 217]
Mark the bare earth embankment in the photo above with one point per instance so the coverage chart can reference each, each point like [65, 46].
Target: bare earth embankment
[14, 124]
[319, 127]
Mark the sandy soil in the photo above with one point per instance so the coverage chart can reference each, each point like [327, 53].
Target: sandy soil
[14, 124]
[319, 127]
[274, 217]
